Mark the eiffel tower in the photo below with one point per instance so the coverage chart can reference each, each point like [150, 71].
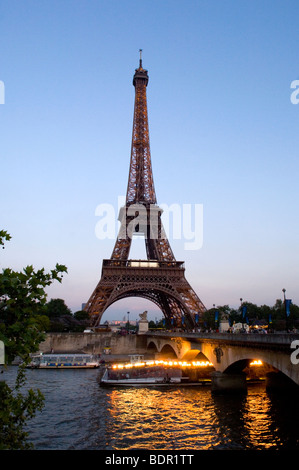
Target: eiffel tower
[159, 278]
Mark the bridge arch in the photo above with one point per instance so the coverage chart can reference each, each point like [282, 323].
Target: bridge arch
[168, 351]
[234, 359]
[176, 348]
[238, 366]
[242, 357]
[170, 348]
[194, 354]
[152, 347]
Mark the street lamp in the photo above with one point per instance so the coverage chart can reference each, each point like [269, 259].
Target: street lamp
[128, 320]
[284, 294]
[285, 307]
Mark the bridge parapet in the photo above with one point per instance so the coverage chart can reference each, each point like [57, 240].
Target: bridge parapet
[275, 340]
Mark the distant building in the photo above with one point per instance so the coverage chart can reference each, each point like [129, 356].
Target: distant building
[118, 324]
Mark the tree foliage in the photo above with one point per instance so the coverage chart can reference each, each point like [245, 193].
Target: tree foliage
[56, 308]
[22, 299]
[275, 317]
[61, 319]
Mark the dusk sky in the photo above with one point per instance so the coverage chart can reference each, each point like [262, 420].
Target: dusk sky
[223, 122]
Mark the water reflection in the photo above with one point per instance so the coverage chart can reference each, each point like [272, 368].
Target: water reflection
[284, 410]
[258, 420]
[229, 416]
[79, 414]
[160, 419]
[195, 419]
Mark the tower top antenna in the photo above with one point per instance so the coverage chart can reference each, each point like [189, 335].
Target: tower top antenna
[140, 59]
[140, 73]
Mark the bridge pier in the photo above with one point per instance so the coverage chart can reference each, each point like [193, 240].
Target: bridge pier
[222, 382]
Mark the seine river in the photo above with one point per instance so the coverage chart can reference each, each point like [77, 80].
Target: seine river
[80, 415]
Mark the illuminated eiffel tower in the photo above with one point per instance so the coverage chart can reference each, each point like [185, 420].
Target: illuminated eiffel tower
[159, 278]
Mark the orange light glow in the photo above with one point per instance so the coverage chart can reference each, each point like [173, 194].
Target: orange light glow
[256, 362]
[170, 363]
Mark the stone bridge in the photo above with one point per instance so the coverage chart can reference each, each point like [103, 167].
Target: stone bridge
[230, 353]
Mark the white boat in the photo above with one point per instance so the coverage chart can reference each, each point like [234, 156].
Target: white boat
[64, 361]
[149, 373]
[145, 376]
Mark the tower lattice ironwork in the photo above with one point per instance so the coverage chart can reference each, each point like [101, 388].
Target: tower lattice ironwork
[160, 278]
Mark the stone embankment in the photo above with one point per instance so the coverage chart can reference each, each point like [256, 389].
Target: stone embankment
[94, 343]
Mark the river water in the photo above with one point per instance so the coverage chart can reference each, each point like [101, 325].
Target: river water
[79, 414]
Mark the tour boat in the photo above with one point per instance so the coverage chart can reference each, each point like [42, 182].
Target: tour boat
[64, 361]
[145, 376]
[149, 373]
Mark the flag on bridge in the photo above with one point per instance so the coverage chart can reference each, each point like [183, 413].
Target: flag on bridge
[244, 311]
[287, 305]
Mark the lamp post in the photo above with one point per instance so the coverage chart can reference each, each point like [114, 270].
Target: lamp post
[284, 295]
[285, 307]
[128, 320]
[216, 317]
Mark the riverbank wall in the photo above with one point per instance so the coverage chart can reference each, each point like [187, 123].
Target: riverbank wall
[104, 343]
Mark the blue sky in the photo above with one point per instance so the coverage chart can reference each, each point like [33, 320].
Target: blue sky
[223, 131]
